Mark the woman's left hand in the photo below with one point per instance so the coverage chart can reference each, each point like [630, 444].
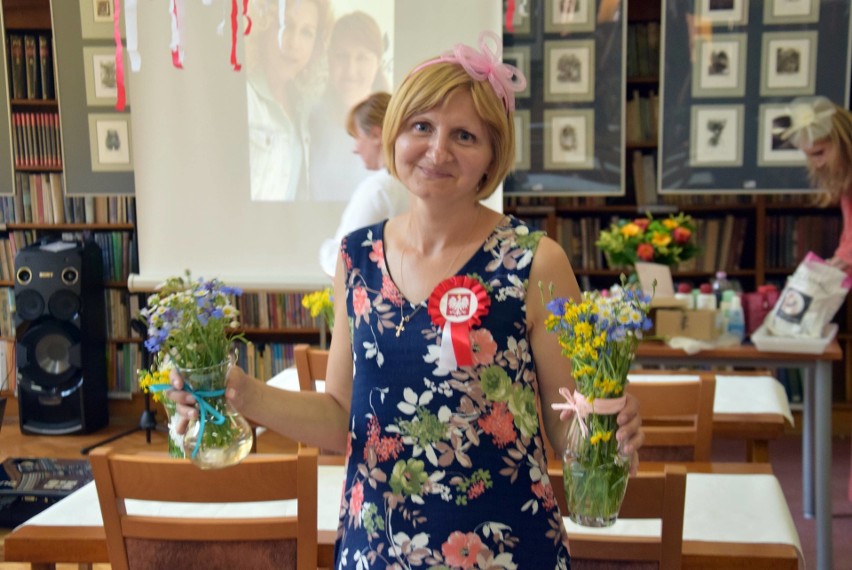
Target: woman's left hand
[629, 434]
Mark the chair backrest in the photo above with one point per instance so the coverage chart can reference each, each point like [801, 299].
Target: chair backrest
[677, 417]
[649, 495]
[310, 366]
[168, 535]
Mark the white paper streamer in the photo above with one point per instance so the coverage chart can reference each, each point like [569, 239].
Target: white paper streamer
[174, 45]
[131, 32]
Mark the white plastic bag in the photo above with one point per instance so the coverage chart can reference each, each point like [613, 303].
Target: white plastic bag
[810, 299]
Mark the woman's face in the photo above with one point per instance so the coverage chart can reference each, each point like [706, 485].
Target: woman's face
[352, 70]
[444, 151]
[820, 153]
[297, 40]
[368, 145]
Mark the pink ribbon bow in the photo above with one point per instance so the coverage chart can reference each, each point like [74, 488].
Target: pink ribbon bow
[487, 64]
[579, 404]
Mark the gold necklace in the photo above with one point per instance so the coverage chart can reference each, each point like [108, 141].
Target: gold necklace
[403, 319]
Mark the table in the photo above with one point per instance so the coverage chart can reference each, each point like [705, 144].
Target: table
[816, 426]
[72, 529]
[750, 407]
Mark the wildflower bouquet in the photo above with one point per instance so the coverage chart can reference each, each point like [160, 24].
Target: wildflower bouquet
[320, 303]
[668, 241]
[191, 326]
[599, 334]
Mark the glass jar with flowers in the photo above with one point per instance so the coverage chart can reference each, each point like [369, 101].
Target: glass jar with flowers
[668, 240]
[191, 326]
[599, 333]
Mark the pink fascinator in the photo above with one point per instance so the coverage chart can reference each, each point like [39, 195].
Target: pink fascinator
[810, 120]
[486, 64]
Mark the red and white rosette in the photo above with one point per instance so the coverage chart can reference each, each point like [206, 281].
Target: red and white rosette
[457, 305]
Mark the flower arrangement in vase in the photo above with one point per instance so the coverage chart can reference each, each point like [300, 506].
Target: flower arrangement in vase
[191, 326]
[668, 240]
[599, 334]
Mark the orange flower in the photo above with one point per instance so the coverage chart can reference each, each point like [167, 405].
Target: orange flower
[660, 239]
[631, 229]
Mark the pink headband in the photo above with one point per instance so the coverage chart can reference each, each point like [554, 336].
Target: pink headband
[487, 64]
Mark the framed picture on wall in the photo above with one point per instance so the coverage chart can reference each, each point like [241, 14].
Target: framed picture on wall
[569, 15]
[720, 66]
[716, 135]
[96, 19]
[790, 11]
[788, 61]
[774, 148]
[569, 139]
[519, 56]
[722, 12]
[521, 18]
[522, 139]
[569, 71]
[99, 72]
[109, 141]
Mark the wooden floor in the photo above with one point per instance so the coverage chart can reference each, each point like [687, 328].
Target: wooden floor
[15, 444]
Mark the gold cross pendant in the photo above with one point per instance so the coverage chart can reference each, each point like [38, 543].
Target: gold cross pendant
[400, 327]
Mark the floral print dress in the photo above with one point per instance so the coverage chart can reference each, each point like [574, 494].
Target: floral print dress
[445, 468]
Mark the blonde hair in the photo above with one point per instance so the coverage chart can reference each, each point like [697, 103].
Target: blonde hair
[834, 179]
[368, 113]
[429, 86]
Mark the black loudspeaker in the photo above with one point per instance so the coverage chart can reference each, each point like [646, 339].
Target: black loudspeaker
[60, 338]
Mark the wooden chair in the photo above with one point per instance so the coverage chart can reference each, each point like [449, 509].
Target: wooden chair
[659, 495]
[310, 366]
[164, 541]
[677, 418]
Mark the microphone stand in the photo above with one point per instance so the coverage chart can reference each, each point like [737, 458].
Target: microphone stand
[148, 419]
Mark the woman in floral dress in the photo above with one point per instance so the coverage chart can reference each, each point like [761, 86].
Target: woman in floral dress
[440, 360]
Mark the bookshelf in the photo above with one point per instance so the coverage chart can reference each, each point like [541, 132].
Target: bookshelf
[757, 239]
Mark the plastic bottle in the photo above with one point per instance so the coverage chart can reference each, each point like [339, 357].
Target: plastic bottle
[720, 284]
[685, 295]
[706, 299]
[735, 318]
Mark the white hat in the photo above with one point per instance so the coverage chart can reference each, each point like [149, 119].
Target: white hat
[810, 120]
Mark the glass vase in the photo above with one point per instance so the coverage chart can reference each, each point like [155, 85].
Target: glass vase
[175, 438]
[594, 472]
[224, 438]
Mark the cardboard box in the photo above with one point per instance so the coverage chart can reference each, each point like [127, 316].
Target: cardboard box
[699, 324]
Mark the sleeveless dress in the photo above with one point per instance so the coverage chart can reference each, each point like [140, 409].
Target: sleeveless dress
[445, 468]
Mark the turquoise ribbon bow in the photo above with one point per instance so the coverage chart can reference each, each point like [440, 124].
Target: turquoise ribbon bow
[205, 409]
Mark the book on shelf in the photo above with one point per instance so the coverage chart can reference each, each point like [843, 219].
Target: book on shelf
[31, 66]
[45, 56]
[17, 71]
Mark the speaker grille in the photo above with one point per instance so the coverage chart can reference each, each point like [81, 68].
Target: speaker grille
[63, 305]
[29, 304]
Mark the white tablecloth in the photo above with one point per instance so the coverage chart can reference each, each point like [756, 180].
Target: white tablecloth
[747, 509]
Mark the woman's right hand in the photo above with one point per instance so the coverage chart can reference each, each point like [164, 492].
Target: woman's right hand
[237, 392]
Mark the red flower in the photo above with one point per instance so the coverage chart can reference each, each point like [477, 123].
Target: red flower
[681, 234]
[357, 499]
[645, 251]
[642, 223]
[461, 549]
[390, 291]
[545, 493]
[499, 424]
[377, 256]
[360, 302]
[484, 347]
